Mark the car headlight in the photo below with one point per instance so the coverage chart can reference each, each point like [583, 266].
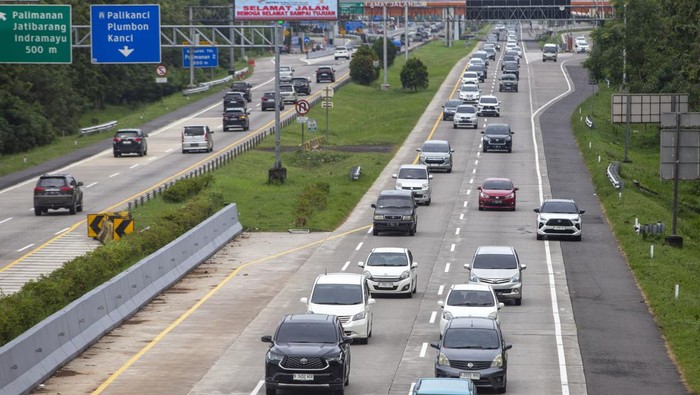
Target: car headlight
[405, 275]
[398, 185]
[367, 274]
[442, 360]
[359, 316]
[510, 196]
[483, 195]
[447, 315]
[378, 217]
[335, 358]
[407, 217]
[473, 278]
[497, 362]
[274, 357]
[515, 279]
[425, 186]
[487, 139]
[493, 315]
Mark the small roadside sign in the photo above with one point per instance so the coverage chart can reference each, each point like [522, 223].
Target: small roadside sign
[327, 92]
[161, 80]
[302, 119]
[161, 70]
[326, 104]
[302, 107]
[311, 125]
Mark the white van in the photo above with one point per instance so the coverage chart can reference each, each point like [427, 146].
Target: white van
[197, 138]
[549, 52]
[347, 296]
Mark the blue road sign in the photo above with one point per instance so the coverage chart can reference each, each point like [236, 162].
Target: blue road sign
[203, 57]
[125, 33]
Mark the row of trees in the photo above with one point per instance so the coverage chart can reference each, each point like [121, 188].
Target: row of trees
[40, 102]
[652, 46]
[367, 61]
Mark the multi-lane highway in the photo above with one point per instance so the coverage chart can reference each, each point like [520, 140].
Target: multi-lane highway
[203, 336]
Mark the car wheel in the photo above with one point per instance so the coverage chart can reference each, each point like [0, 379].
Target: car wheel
[184, 152]
[80, 206]
[519, 301]
[140, 153]
[415, 285]
[409, 294]
[318, 81]
[116, 155]
[270, 391]
[539, 236]
[72, 209]
[336, 58]
[476, 126]
[454, 126]
[428, 202]
[510, 150]
[449, 170]
[375, 232]
[577, 238]
[37, 211]
[502, 390]
[339, 392]
[484, 149]
[444, 118]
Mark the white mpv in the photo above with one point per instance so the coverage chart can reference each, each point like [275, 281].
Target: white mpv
[469, 300]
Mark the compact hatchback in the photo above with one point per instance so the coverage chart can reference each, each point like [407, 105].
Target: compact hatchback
[448, 110]
[130, 141]
[347, 296]
[559, 218]
[499, 267]
[391, 270]
[497, 193]
[415, 178]
[268, 102]
[57, 191]
[469, 300]
[437, 155]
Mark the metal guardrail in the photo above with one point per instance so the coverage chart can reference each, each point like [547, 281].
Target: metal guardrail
[204, 86]
[220, 81]
[614, 176]
[98, 128]
[200, 88]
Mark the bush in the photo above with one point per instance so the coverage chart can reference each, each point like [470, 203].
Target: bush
[362, 68]
[414, 75]
[184, 189]
[391, 51]
[313, 198]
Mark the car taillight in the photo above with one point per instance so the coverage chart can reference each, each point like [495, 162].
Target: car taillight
[117, 139]
[66, 189]
[39, 189]
[138, 139]
[206, 137]
[265, 99]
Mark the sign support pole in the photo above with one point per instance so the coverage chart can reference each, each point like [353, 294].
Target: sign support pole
[328, 136]
[676, 168]
[278, 124]
[627, 128]
[303, 148]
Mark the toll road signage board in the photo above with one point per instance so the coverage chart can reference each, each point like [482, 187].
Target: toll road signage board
[275, 10]
[35, 34]
[125, 33]
[203, 57]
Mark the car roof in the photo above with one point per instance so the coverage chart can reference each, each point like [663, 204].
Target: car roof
[129, 130]
[509, 75]
[466, 105]
[389, 250]
[436, 142]
[340, 278]
[471, 287]
[396, 192]
[473, 322]
[489, 97]
[55, 175]
[560, 200]
[308, 317]
[444, 386]
[495, 250]
[414, 167]
[497, 179]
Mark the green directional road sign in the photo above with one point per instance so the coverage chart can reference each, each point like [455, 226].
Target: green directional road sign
[352, 8]
[35, 33]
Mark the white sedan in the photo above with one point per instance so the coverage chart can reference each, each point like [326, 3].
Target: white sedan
[469, 300]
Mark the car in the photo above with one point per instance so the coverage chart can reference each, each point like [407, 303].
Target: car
[497, 193]
[478, 61]
[236, 117]
[325, 73]
[57, 191]
[415, 178]
[491, 51]
[437, 155]
[559, 217]
[511, 68]
[481, 55]
[473, 348]
[489, 105]
[465, 115]
[581, 44]
[268, 102]
[510, 57]
[197, 138]
[243, 87]
[497, 137]
[391, 270]
[234, 99]
[347, 296]
[444, 386]
[468, 300]
[286, 73]
[549, 52]
[307, 351]
[288, 93]
[518, 50]
[130, 141]
[479, 69]
[470, 77]
[508, 82]
[341, 52]
[449, 108]
[395, 211]
[499, 267]
[469, 93]
[302, 85]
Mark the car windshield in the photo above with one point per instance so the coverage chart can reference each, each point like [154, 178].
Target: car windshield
[510, 66]
[470, 338]
[495, 261]
[300, 80]
[52, 182]
[306, 333]
[550, 49]
[508, 77]
[453, 103]
[476, 68]
[496, 130]
[559, 207]
[239, 85]
[337, 294]
[389, 202]
[286, 88]
[489, 100]
[435, 147]
[469, 88]
[126, 135]
[194, 130]
[413, 174]
[466, 110]
[472, 298]
[387, 259]
[505, 185]
[234, 110]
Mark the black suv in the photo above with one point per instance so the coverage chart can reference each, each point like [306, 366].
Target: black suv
[243, 87]
[473, 348]
[302, 85]
[395, 210]
[236, 117]
[55, 191]
[497, 137]
[308, 350]
[268, 102]
[508, 82]
[130, 141]
[234, 99]
[325, 73]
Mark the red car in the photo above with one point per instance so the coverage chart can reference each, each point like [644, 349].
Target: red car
[497, 193]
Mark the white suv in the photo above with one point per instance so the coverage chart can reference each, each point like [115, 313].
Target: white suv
[489, 105]
[415, 178]
[469, 300]
[347, 296]
[286, 73]
[391, 270]
[342, 52]
[559, 217]
[288, 94]
[499, 267]
[470, 93]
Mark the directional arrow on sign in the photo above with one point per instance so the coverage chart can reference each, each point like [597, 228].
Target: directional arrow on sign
[126, 51]
[2, 16]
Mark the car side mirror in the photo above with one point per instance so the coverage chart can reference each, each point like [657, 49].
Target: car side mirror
[523, 266]
[414, 265]
[347, 340]
[536, 210]
[468, 266]
[80, 183]
[435, 345]
[419, 150]
[516, 189]
[501, 305]
[393, 176]
[441, 303]
[581, 211]
[266, 339]
[482, 132]
[145, 135]
[507, 347]
[304, 300]
[371, 301]
[452, 150]
[360, 264]
[373, 205]
[430, 176]
[478, 188]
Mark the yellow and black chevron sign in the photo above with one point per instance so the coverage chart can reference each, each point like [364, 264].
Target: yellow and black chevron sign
[122, 226]
[94, 224]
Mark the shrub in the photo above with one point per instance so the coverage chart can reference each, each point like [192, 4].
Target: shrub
[414, 75]
[186, 188]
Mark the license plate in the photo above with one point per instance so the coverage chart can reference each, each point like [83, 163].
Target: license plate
[195, 145]
[126, 142]
[385, 285]
[470, 375]
[559, 228]
[303, 377]
[393, 224]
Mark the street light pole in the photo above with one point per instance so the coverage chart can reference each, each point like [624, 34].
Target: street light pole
[385, 85]
[405, 21]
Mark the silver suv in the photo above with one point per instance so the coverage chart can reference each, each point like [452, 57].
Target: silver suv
[559, 217]
[437, 155]
[415, 178]
[288, 93]
[499, 267]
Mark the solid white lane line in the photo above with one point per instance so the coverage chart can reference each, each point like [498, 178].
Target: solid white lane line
[152, 158]
[61, 231]
[5, 220]
[25, 247]
[441, 289]
[359, 246]
[433, 315]
[447, 267]
[93, 184]
[134, 166]
[423, 350]
[410, 391]
[345, 266]
[168, 150]
[257, 387]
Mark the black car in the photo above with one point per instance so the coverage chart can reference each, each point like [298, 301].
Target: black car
[481, 70]
[243, 87]
[395, 210]
[325, 73]
[497, 137]
[448, 110]
[510, 57]
[308, 350]
[268, 102]
[130, 141]
[236, 117]
[511, 68]
[234, 99]
[302, 85]
[56, 191]
[508, 82]
[473, 348]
